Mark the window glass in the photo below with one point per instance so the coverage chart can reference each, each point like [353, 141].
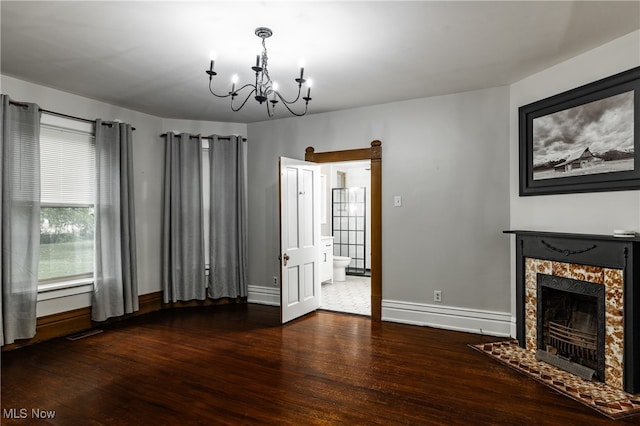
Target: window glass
[67, 174]
[66, 243]
[206, 197]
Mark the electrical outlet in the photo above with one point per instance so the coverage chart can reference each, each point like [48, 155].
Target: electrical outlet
[275, 281]
[437, 295]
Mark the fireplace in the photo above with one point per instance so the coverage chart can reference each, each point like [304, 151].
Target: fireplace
[571, 325]
[576, 304]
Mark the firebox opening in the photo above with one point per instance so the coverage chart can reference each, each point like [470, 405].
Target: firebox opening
[571, 325]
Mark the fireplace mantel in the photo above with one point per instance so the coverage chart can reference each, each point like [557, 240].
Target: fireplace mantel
[593, 237]
[605, 251]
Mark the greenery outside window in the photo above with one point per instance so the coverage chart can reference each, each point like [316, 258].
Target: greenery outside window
[67, 175]
[66, 243]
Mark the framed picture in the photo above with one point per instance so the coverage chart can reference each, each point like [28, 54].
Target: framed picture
[583, 140]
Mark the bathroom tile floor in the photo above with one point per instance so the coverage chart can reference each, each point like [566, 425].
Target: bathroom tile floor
[352, 296]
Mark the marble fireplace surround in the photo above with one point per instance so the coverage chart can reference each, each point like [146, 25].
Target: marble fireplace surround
[600, 259]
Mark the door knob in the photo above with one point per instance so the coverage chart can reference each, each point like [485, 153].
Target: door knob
[285, 257]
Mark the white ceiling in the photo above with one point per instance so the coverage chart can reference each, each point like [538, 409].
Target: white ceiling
[151, 56]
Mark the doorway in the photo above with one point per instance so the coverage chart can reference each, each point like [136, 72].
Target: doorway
[374, 153]
[346, 227]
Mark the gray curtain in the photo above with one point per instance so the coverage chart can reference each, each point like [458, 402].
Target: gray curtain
[183, 266]
[115, 273]
[228, 230]
[20, 213]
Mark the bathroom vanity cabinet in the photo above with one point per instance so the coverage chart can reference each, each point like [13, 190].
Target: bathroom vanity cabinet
[326, 259]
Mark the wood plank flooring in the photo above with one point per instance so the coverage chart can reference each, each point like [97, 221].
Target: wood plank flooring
[235, 364]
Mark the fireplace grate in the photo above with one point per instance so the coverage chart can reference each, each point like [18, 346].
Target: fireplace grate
[572, 342]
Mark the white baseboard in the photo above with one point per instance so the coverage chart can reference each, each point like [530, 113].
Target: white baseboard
[449, 317]
[263, 295]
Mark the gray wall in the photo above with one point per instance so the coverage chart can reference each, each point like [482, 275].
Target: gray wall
[453, 158]
[448, 156]
[590, 213]
[148, 158]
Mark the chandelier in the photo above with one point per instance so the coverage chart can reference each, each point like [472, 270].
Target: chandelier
[263, 88]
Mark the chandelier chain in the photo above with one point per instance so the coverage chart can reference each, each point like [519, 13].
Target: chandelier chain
[265, 87]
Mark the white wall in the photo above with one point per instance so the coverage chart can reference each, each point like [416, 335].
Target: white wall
[592, 213]
[447, 156]
[148, 157]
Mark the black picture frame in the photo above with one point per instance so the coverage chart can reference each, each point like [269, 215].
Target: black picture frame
[558, 134]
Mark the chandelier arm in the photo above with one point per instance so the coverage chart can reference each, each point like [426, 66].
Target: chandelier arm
[230, 93]
[293, 101]
[246, 85]
[245, 101]
[306, 104]
[215, 94]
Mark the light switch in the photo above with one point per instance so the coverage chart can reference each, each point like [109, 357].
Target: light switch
[397, 201]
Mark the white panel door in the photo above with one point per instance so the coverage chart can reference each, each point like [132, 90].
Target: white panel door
[299, 238]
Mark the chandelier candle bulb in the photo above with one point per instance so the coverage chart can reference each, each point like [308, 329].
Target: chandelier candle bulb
[212, 57]
[211, 72]
[234, 80]
[301, 72]
[309, 84]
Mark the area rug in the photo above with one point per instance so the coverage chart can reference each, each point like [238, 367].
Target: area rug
[611, 402]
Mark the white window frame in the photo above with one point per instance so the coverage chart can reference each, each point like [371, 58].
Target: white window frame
[71, 285]
[206, 205]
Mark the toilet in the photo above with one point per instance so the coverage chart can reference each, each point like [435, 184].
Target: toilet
[339, 263]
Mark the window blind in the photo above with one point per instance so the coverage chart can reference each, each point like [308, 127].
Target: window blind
[67, 162]
[206, 198]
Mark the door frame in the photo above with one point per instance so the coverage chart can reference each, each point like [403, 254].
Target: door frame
[374, 153]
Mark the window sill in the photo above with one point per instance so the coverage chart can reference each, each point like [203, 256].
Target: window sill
[65, 288]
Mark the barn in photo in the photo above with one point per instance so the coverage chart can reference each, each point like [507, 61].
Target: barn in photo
[579, 160]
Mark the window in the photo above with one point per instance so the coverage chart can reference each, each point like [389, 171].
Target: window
[67, 179]
[206, 200]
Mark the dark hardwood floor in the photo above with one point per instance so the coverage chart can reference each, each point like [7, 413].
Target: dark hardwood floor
[235, 364]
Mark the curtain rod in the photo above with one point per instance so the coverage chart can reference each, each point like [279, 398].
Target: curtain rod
[59, 114]
[225, 138]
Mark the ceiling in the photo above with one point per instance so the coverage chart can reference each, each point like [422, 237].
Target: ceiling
[151, 56]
